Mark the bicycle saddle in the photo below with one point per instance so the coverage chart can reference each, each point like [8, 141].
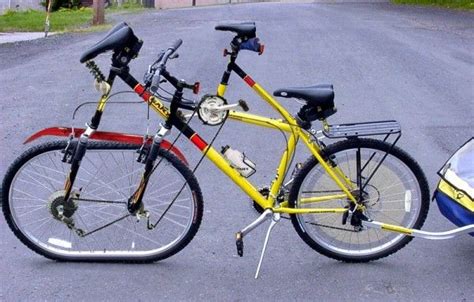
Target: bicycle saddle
[318, 95]
[243, 29]
[117, 38]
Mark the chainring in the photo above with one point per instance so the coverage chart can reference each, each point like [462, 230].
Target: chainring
[207, 113]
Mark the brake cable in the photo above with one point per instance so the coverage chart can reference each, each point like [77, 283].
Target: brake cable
[152, 226]
[149, 225]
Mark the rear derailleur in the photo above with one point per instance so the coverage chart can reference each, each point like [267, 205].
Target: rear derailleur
[355, 216]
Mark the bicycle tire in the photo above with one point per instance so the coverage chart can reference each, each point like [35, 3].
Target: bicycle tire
[328, 236]
[129, 237]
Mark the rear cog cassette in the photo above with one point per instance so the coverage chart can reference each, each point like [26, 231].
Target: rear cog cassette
[207, 110]
[68, 208]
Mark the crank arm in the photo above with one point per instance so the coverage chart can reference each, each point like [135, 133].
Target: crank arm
[242, 104]
[222, 108]
[214, 109]
[239, 236]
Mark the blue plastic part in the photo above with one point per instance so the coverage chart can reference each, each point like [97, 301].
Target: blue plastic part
[251, 44]
[452, 210]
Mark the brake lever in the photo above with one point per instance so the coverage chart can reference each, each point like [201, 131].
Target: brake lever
[148, 76]
[174, 56]
[160, 55]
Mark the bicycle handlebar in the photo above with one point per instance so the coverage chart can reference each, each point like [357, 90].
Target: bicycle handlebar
[161, 63]
[176, 44]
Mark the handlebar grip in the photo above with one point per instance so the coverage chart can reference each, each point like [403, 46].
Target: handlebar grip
[162, 59]
[176, 44]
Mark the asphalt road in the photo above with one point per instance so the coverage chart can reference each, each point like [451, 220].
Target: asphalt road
[411, 64]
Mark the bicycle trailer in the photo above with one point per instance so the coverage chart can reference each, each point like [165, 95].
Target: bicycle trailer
[455, 190]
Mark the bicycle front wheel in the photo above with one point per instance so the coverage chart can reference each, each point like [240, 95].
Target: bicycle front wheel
[397, 193]
[109, 174]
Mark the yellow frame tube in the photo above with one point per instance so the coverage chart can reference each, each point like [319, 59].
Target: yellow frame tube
[322, 198]
[260, 120]
[331, 172]
[289, 124]
[238, 179]
[283, 166]
[309, 210]
[103, 100]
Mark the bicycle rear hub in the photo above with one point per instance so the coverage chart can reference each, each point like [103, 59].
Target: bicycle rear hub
[60, 208]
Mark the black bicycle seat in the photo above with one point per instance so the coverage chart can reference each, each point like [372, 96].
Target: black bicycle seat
[243, 29]
[318, 95]
[116, 39]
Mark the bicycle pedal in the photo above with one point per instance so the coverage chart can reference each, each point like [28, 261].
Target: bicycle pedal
[239, 242]
[243, 105]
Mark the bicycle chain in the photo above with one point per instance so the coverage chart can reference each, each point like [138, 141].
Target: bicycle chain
[82, 233]
[99, 201]
[325, 226]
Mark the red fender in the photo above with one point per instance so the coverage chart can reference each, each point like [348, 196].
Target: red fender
[104, 136]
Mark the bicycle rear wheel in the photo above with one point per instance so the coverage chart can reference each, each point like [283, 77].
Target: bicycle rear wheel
[108, 176]
[397, 194]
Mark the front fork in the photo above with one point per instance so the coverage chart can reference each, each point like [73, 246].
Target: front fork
[135, 201]
[77, 153]
[75, 159]
[75, 156]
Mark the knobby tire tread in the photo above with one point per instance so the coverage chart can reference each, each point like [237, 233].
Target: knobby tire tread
[59, 145]
[311, 162]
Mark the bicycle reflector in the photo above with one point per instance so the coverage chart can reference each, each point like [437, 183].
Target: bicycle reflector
[196, 87]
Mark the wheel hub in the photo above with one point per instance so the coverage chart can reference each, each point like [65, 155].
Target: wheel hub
[371, 198]
[61, 208]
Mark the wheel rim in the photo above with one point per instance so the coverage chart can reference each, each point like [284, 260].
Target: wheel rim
[110, 175]
[394, 197]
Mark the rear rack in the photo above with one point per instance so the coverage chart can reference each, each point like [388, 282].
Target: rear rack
[362, 129]
[386, 128]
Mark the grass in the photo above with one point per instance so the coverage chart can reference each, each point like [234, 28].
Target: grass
[60, 21]
[33, 20]
[457, 4]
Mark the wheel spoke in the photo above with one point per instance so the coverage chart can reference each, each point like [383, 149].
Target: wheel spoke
[384, 198]
[106, 179]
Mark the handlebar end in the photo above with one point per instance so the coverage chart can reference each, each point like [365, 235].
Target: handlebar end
[196, 87]
[176, 44]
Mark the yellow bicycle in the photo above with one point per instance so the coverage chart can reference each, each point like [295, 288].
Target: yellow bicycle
[103, 196]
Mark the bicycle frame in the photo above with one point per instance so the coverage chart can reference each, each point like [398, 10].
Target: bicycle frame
[287, 124]
[107, 185]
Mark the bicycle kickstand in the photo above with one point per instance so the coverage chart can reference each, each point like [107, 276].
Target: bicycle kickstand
[239, 236]
[275, 219]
